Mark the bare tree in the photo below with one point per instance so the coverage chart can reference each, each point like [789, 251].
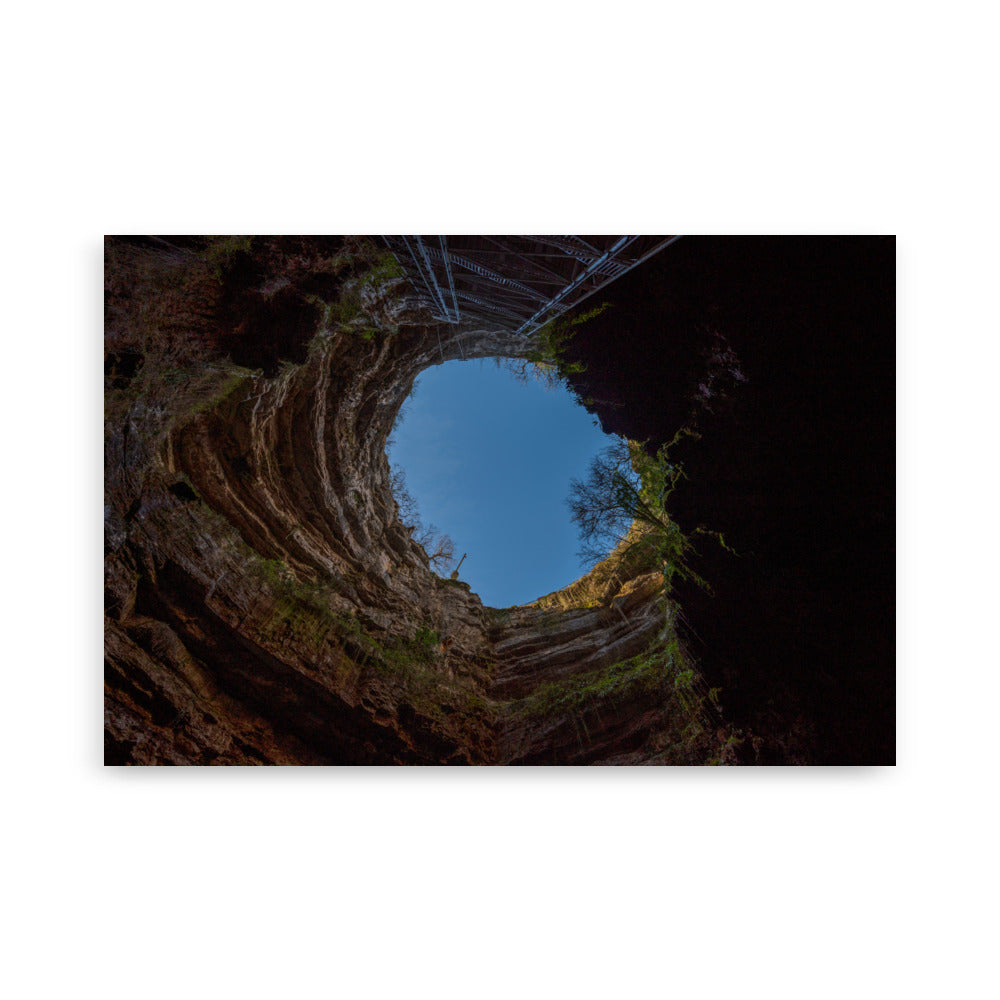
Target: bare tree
[440, 548]
[408, 512]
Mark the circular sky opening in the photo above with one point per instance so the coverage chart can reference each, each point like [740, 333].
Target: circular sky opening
[488, 459]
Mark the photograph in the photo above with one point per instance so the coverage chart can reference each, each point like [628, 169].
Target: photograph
[499, 500]
[493, 616]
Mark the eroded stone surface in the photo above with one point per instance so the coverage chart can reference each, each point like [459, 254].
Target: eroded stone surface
[264, 604]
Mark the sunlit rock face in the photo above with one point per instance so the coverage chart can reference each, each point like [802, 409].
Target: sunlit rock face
[264, 603]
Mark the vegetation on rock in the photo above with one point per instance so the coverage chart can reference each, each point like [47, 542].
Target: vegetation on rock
[254, 526]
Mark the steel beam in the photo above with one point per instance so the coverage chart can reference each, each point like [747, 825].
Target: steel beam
[522, 282]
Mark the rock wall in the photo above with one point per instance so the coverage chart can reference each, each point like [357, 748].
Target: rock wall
[264, 603]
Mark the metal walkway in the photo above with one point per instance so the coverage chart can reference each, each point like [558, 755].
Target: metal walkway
[517, 282]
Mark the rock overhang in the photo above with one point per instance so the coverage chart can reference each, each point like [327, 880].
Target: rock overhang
[289, 582]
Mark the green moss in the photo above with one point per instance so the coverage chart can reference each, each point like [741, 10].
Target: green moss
[553, 340]
[427, 638]
[302, 608]
[363, 265]
[649, 672]
[306, 609]
[230, 382]
[413, 665]
[662, 677]
[222, 251]
[345, 309]
[283, 583]
[382, 267]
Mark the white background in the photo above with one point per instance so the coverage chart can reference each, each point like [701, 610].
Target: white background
[451, 117]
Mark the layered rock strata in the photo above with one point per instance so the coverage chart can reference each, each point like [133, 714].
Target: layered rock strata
[264, 602]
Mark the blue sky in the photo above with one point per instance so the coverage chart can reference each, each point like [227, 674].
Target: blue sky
[489, 461]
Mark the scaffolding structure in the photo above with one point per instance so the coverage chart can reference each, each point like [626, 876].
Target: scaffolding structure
[517, 282]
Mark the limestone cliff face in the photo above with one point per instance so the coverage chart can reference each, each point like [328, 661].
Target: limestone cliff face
[264, 603]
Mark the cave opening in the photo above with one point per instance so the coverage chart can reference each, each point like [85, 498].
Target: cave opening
[256, 506]
[483, 455]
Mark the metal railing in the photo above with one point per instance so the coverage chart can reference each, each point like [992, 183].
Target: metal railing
[519, 282]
